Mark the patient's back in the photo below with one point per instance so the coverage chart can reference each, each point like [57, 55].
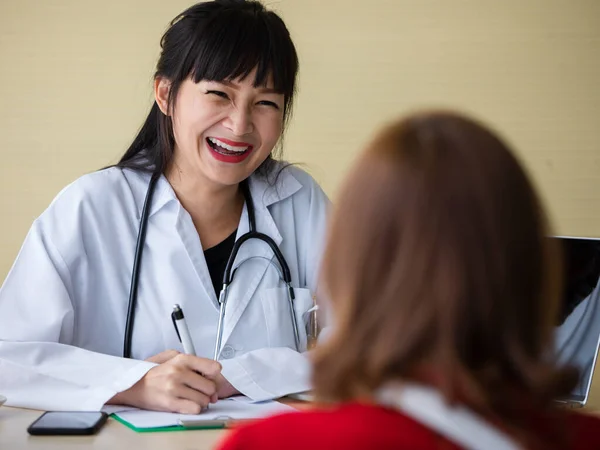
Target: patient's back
[356, 426]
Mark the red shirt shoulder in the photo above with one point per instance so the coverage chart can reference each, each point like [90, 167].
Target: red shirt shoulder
[351, 426]
[358, 426]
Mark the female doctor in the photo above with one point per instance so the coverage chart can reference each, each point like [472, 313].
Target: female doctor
[77, 331]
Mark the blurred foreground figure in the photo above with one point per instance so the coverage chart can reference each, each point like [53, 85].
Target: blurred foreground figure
[444, 291]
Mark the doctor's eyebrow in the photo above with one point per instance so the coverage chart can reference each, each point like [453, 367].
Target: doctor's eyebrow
[261, 90]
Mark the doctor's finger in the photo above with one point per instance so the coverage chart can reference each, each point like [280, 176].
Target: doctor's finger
[199, 383]
[163, 357]
[207, 367]
[187, 393]
[184, 406]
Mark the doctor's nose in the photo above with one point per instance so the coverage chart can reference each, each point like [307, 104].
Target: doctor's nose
[239, 122]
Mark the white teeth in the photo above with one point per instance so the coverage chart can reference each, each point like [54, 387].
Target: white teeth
[228, 147]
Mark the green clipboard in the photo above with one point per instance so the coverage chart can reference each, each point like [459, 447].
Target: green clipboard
[207, 425]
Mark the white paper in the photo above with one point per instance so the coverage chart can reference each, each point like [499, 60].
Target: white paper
[247, 400]
[223, 409]
[111, 409]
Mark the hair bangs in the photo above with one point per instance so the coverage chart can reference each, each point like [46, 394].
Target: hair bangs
[235, 44]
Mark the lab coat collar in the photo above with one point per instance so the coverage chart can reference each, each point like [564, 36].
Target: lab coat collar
[275, 187]
[139, 182]
[265, 191]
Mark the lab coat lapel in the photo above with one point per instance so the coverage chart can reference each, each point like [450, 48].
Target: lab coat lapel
[165, 195]
[189, 237]
[193, 247]
[263, 195]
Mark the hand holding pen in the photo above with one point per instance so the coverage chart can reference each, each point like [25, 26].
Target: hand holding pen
[175, 386]
[184, 384]
[224, 388]
[183, 332]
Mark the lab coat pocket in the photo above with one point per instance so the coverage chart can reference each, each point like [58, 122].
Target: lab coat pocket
[278, 317]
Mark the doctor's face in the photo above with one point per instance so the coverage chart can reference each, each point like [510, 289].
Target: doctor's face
[225, 130]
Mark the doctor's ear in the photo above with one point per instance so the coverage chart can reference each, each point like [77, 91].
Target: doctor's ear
[162, 87]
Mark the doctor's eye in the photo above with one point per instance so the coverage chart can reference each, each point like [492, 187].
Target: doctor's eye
[269, 103]
[218, 94]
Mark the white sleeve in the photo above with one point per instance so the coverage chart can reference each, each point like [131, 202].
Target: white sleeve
[268, 373]
[39, 369]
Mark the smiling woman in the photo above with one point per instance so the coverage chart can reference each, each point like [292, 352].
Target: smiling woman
[169, 224]
[241, 62]
[223, 130]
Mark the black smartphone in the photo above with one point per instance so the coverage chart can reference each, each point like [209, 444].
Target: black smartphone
[67, 423]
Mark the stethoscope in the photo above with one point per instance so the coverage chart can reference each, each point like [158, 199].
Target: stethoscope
[284, 273]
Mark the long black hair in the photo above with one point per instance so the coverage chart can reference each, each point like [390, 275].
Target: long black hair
[216, 40]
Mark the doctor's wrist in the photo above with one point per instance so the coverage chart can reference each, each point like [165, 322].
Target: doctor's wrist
[121, 398]
[224, 387]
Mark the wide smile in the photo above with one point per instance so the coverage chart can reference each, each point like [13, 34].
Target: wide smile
[228, 151]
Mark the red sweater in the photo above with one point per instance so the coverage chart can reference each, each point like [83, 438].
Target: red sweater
[359, 426]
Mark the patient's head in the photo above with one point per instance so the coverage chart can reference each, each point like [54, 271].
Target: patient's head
[438, 269]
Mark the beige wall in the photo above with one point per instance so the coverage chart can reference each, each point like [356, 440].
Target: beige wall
[75, 79]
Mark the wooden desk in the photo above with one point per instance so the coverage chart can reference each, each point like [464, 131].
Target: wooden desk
[115, 436]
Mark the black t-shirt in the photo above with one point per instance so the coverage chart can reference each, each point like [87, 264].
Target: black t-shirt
[216, 260]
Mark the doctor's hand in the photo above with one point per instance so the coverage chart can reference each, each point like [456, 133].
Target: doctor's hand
[224, 387]
[163, 357]
[184, 384]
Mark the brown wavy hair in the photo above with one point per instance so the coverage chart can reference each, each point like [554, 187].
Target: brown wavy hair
[438, 269]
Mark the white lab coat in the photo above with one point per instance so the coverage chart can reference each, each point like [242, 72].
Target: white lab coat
[63, 305]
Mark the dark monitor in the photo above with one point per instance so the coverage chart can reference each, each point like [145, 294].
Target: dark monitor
[577, 333]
